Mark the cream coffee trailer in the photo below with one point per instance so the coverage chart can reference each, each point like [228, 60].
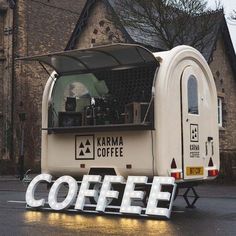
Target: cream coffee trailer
[123, 110]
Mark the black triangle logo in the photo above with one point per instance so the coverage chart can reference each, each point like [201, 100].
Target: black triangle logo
[81, 153]
[87, 150]
[87, 142]
[81, 145]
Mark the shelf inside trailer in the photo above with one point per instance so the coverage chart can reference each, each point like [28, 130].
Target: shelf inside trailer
[100, 128]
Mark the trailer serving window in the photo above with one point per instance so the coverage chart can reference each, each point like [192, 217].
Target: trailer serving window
[103, 99]
[105, 87]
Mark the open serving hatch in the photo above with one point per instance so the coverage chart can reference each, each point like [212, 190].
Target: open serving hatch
[87, 60]
[101, 87]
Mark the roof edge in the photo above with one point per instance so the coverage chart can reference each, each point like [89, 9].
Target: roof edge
[81, 23]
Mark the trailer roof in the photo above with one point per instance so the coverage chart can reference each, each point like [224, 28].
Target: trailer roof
[114, 56]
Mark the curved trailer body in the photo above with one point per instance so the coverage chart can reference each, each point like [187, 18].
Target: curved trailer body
[171, 129]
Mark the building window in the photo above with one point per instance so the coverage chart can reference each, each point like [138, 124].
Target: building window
[192, 95]
[219, 101]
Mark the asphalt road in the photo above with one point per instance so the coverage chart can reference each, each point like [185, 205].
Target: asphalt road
[215, 215]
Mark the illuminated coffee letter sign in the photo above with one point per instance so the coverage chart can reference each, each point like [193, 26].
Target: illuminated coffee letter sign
[85, 191]
[75, 201]
[30, 200]
[131, 194]
[156, 195]
[52, 197]
[106, 191]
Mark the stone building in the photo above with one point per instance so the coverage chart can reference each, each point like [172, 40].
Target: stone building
[93, 28]
[6, 62]
[28, 27]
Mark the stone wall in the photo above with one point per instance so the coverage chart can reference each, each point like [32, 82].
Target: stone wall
[41, 26]
[6, 32]
[2, 59]
[98, 29]
[226, 87]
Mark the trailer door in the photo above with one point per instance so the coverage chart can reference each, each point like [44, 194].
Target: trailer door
[193, 130]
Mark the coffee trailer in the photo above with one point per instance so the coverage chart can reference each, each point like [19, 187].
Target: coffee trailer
[122, 110]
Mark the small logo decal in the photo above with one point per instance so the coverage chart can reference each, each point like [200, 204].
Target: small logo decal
[84, 147]
[193, 132]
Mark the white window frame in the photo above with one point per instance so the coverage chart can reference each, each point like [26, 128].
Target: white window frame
[219, 111]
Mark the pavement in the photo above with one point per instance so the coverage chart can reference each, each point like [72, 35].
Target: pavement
[215, 214]
[206, 189]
